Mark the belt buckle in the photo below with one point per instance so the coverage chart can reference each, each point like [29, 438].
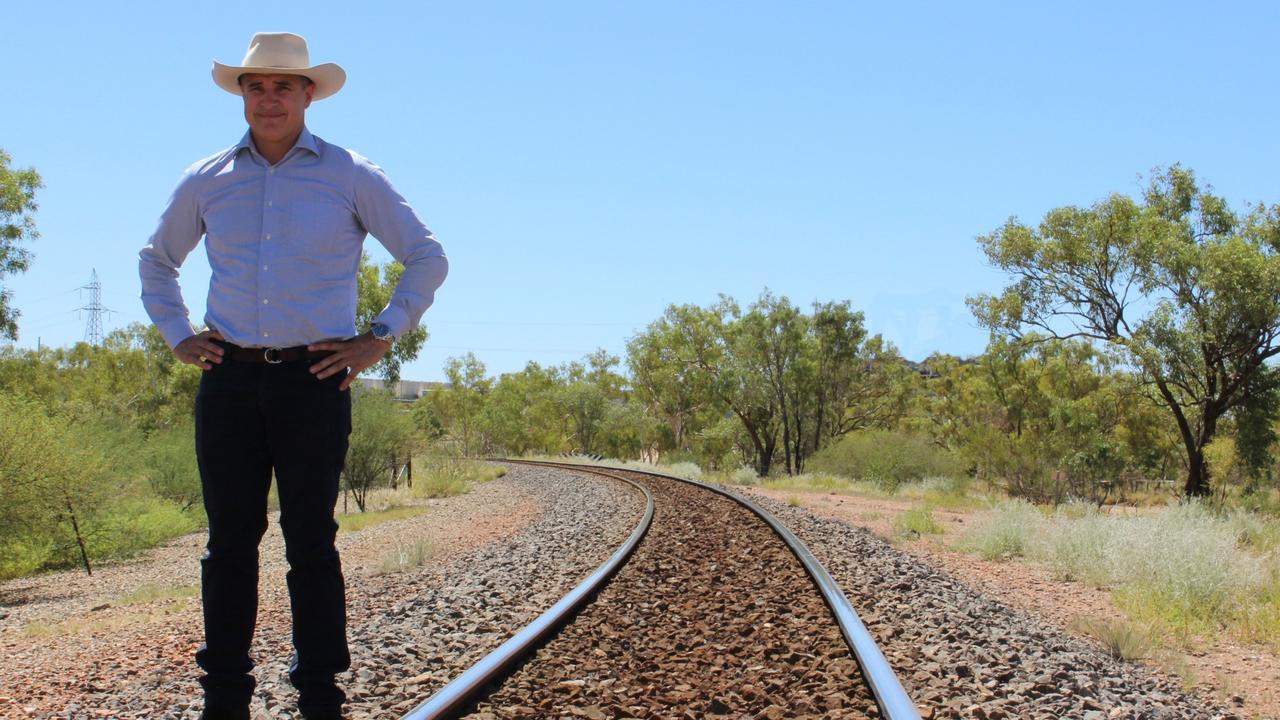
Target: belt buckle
[266, 355]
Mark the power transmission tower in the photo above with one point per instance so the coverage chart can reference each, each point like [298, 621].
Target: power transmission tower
[93, 325]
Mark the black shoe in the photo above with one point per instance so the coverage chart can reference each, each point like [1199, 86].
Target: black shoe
[221, 713]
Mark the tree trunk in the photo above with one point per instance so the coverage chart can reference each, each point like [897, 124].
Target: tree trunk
[1197, 474]
[75, 526]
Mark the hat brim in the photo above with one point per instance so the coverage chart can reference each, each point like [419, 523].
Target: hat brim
[328, 78]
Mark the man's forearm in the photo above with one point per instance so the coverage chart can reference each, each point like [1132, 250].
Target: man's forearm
[415, 292]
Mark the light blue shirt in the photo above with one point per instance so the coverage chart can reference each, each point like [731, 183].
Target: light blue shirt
[284, 244]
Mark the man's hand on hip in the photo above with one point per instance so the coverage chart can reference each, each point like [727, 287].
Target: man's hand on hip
[200, 350]
[359, 353]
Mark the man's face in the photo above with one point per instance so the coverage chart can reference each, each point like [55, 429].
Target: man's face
[275, 105]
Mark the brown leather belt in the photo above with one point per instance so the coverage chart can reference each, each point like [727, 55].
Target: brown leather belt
[272, 356]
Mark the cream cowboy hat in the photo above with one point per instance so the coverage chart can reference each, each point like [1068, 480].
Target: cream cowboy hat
[280, 53]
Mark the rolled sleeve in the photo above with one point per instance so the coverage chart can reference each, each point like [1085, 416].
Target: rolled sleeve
[178, 232]
[389, 218]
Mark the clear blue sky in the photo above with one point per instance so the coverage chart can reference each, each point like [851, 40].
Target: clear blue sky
[585, 164]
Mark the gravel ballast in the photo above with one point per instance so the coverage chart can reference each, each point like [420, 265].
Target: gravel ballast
[962, 655]
[409, 632]
[712, 616]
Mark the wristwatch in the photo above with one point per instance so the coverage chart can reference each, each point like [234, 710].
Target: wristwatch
[380, 331]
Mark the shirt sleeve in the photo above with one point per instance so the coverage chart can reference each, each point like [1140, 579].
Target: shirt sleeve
[179, 230]
[389, 218]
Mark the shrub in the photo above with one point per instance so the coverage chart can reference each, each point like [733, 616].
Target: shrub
[1006, 532]
[1184, 568]
[407, 557]
[137, 525]
[744, 476]
[885, 457]
[1121, 640]
[170, 465]
[354, 522]
[916, 522]
[686, 470]
[1077, 546]
[443, 472]
[810, 481]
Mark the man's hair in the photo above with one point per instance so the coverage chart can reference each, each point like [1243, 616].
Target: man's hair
[305, 80]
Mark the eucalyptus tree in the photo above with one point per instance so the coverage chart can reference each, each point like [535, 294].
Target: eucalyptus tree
[17, 225]
[458, 406]
[519, 415]
[375, 285]
[1183, 287]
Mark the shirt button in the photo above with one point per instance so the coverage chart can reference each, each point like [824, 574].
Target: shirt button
[268, 236]
[271, 171]
[265, 301]
[264, 267]
[266, 334]
[269, 203]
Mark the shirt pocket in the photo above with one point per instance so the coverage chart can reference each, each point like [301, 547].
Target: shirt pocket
[320, 229]
[229, 226]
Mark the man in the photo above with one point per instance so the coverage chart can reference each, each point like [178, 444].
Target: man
[284, 215]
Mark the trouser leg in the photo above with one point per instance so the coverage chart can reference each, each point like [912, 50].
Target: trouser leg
[309, 423]
[235, 473]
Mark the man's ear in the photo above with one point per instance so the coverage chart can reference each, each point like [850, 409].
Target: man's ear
[309, 90]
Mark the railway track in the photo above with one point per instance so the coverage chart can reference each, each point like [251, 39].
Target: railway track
[709, 608]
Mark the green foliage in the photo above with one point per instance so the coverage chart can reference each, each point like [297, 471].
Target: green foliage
[1006, 532]
[445, 473]
[171, 468]
[916, 522]
[1185, 569]
[457, 407]
[790, 382]
[382, 440]
[885, 457]
[520, 415]
[68, 494]
[1185, 289]
[138, 523]
[1122, 640]
[375, 285]
[17, 225]
[355, 522]
[821, 482]
[1047, 420]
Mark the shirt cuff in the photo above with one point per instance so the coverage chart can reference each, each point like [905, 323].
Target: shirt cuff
[175, 331]
[396, 319]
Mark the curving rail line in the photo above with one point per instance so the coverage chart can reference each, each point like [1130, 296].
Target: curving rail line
[449, 701]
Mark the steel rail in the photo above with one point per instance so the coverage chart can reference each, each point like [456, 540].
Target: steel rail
[892, 698]
[460, 692]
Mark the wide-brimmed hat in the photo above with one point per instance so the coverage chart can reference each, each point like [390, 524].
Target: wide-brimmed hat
[273, 53]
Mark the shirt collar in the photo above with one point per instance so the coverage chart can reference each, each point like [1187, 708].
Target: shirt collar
[306, 141]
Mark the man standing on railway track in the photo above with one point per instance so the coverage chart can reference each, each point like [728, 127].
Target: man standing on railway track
[284, 215]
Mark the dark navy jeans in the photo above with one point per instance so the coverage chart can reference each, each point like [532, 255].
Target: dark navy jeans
[254, 420]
